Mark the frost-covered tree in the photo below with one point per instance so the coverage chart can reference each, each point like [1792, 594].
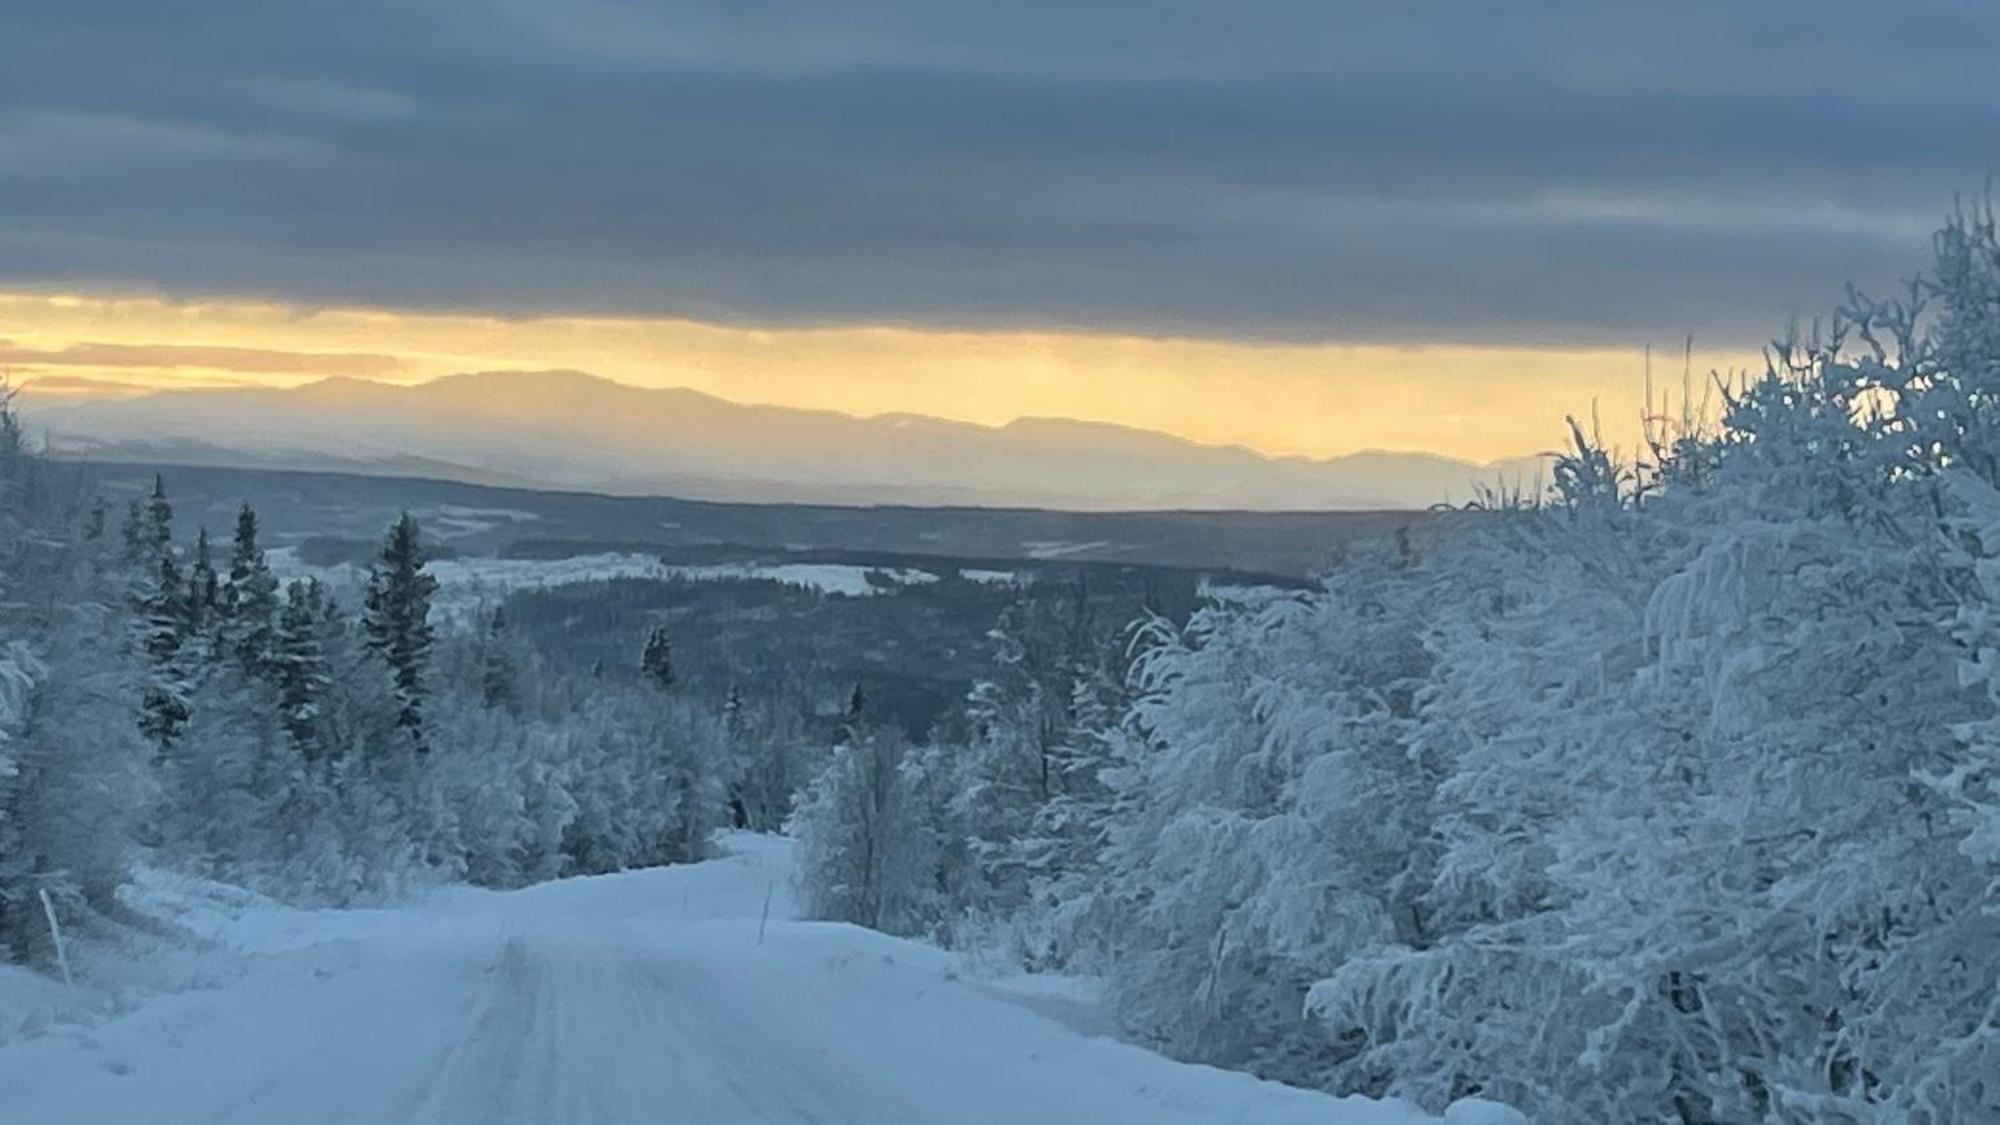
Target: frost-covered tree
[499, 683]
[20, 671]
[687, 777]
[1065, 921]
[859, 860]
[249, 600]
[397, 622]
[1682, 809]
[162, 626]
[1269, 819]
[74, 777]
[79, 783]
[132, 533]
[204, 588]
[156, 522]
[299, 668]
[773, 758]
[1020, 750]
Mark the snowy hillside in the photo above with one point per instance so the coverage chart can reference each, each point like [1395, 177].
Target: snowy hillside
[646, 996]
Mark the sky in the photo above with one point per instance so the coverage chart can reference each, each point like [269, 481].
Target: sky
[1310, 227]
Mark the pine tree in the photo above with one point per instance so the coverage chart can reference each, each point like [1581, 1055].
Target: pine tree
[499, 683]
[734, 722]
[1022, 718]
[396, 619]
[249, 600]
[656, 663]
[204, 589]
[678, 769]
[300, 667]
[734, 731]
[156, 531]
[132, 534]
[94, 524]
[163, 705]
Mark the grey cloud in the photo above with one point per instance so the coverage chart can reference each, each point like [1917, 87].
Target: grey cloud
[1567, 174]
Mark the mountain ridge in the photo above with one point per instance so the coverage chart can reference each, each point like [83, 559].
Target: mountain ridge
[572, 429]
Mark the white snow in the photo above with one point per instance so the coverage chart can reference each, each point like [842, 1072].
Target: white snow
[455, 521]
[472, 581]
[29, 1002]
[1479, 1111]
[830, 578]
[1057, 548]
[1247, 596]
[641, 997]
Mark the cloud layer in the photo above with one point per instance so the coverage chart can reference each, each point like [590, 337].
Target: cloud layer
[1574, 174]
[269, 361]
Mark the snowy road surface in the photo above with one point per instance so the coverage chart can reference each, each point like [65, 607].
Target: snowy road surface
[637, 998]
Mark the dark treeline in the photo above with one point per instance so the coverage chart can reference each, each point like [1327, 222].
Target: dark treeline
[918, 645]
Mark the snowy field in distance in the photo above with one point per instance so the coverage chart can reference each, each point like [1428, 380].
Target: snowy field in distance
[470, 582]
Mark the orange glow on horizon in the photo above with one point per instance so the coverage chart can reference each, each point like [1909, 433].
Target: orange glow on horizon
[1477, 403]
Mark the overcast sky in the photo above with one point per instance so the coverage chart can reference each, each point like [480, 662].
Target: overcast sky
[1550, 174]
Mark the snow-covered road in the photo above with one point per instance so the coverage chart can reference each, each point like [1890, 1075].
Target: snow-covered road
[638, 998]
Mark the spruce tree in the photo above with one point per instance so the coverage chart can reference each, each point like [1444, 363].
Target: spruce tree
[99, 517]
[156, 529]
[498, 680]
[735, 728]
[678, 766]
[163, 703]
[734, 722]
[300, 670]
[656, 663]
[204, 590]
[132, 533]
[249, 600]
[396, 619]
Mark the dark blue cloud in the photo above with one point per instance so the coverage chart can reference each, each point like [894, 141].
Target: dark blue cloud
[1570, 173]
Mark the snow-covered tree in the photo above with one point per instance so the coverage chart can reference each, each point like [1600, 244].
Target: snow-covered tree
[204, 588]
[249, 600]
[299, 668]
[398, 623]
[499, 683]
[162, 628]
[859, 860]
[79, 784]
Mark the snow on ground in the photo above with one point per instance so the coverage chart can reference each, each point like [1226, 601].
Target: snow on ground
[30, 1002]
[467, 583]
[455, 521]
[1244, 595]
[831, 578]
[644, 997]
[1058, 548]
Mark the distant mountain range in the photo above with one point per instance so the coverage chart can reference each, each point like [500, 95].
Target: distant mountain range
[567, 429]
